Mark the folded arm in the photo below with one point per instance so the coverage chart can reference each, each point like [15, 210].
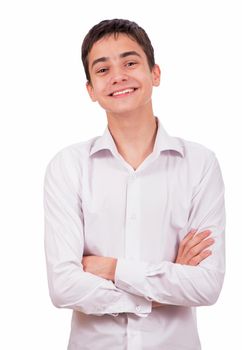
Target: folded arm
[193, 249]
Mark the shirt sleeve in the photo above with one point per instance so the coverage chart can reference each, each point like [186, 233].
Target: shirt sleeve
[69, 286]
[176, 284]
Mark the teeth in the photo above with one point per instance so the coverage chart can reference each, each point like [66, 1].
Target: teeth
[123, 92]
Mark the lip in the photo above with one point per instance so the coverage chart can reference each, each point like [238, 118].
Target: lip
[124, 94]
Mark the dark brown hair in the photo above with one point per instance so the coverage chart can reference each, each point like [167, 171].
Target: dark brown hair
[116, 26]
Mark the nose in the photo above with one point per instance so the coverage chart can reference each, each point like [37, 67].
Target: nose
[118, 77]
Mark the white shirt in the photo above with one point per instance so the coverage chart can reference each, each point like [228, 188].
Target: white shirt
[97, 204]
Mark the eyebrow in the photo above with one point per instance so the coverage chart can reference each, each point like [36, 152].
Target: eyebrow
[122, 55]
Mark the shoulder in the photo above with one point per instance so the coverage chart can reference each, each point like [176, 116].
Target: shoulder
[196, 154]
[198, 162]
[74, 154]
[68, 163]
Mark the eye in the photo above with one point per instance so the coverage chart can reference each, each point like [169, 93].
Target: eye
[102, 70]
[131, 63]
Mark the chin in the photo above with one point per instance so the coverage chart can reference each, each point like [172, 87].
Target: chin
[123, 109]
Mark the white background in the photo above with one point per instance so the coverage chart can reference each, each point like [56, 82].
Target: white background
[45, 107]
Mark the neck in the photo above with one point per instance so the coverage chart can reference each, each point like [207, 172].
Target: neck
[134, 135]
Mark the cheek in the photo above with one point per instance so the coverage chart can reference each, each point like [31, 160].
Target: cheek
[99, 89]
[147, 90]
[145, 78]
[148, 85]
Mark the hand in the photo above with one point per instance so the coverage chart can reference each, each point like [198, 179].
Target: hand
[193, 248]
[100, 266]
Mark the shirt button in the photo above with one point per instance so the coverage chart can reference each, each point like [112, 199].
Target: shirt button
[138, 308]
[132, 217]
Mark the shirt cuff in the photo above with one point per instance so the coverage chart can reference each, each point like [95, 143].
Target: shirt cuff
[135, 304]
[130, 275]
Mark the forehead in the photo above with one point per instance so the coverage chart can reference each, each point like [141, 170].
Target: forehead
[112, 46]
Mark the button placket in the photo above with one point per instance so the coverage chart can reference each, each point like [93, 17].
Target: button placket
[132, 225]
[132, 249]
[133, 334]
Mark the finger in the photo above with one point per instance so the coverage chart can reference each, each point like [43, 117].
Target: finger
[203, 234]
[196, 239]
[190, 233]
[197, 249]
[184, 241]
[188, 242]
[200, 257]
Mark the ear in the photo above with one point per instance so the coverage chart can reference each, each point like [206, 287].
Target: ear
[156, 75]
[91, 91]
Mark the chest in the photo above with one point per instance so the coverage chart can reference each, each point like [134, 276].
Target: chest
[144, 212]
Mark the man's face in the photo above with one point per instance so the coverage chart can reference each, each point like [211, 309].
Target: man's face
[121, 80]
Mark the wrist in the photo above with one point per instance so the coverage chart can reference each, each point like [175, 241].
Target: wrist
[113, 269]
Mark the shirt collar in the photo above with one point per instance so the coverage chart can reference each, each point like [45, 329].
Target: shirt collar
[163, 142]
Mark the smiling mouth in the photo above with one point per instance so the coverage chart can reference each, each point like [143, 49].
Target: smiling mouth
[124, 92]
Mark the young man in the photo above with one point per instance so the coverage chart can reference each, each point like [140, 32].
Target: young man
[135, 218]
